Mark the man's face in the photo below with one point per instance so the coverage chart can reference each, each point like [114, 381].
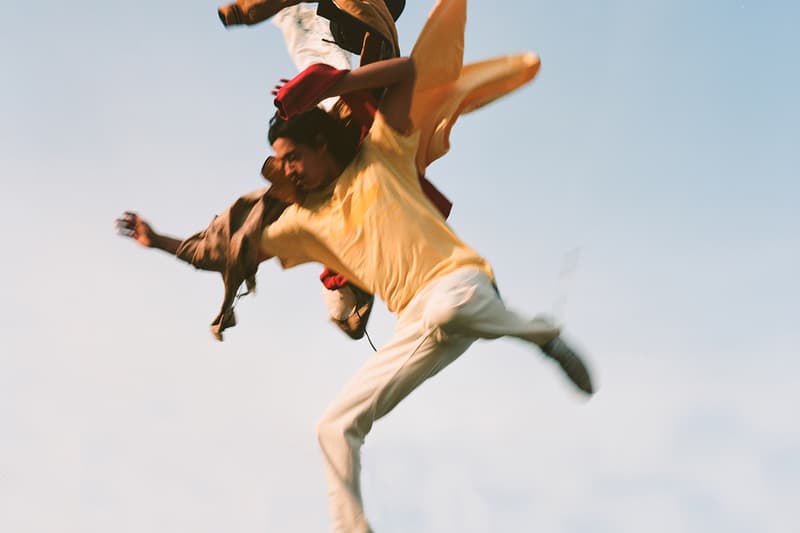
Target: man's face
[306, 167]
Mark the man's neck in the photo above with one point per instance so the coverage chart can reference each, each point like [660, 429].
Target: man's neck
[336, 171]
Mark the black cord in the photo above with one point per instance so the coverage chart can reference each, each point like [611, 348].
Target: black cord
[374, 349]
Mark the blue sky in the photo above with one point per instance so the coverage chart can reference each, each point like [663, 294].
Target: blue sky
[658, 145]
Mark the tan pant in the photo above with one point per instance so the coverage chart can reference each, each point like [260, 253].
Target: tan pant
[436, 327]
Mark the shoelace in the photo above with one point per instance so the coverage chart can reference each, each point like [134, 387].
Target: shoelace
[374, 349]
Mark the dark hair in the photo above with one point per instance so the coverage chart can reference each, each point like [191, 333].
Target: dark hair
[314, 128]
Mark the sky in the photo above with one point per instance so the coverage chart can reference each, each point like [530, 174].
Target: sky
[644, 188]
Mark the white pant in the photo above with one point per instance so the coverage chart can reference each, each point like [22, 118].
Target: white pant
[309, 40]
[437, 326]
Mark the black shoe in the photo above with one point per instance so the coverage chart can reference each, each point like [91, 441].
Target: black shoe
[570, 362]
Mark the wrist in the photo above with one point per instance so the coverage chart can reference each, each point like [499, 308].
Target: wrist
[156, 240]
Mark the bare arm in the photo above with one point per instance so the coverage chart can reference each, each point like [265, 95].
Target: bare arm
[397, 75]
[133, 226]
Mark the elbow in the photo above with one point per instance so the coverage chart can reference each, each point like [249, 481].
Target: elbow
[399, 70]
[410, 66]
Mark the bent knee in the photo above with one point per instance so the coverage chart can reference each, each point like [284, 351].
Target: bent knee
[332, 431]
[328, 429]
[449, 308]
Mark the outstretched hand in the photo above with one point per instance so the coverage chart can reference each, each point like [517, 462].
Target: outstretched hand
[281, 83]
[133, 226]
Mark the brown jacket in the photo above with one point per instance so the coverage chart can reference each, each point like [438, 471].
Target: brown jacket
[375, 17]
[230, 245]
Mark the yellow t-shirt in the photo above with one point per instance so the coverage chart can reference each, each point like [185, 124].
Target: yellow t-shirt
[374, 224]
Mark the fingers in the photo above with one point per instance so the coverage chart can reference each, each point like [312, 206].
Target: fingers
[128, 219]
[277, 88]
[129, 216]
[127, 224]
[125, 230]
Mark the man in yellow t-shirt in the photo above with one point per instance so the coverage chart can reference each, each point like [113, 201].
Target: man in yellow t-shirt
[365, 215]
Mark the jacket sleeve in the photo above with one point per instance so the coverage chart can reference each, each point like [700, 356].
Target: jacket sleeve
[229, 245]
[206, 249]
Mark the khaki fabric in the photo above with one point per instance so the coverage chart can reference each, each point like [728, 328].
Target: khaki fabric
[374, 224]
[230, 246]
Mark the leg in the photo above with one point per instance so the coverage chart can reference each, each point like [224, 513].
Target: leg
[308, 38]
[388, 376]
[466, 303]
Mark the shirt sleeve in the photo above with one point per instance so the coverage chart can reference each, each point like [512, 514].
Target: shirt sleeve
[280, 239]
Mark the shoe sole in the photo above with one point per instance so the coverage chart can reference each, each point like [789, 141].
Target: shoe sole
[571, 363]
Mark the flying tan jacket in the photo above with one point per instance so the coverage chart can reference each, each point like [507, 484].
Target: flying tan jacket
[229, 245]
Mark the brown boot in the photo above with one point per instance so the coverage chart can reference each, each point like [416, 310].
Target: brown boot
[252, 11]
